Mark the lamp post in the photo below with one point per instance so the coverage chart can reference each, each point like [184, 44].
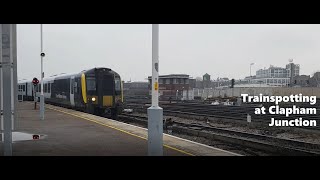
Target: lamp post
[250, 71]
[41, 95]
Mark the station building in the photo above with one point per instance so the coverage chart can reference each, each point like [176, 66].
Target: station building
[172, 86]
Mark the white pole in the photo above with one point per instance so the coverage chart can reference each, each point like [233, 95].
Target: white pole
[8, 83]
[41, 95]
[155, 113]
[155, 65]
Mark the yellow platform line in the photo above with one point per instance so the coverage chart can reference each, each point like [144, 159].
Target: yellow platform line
[121, 130]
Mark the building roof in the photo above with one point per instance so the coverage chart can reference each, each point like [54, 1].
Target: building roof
[173, 76]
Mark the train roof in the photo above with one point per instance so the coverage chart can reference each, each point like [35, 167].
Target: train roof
[65, 75]
[24, 81]
[108, 69]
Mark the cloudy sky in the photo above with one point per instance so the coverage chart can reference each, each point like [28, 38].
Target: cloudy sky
[219, 50]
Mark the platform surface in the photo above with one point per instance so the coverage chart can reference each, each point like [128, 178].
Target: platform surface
[73, 133]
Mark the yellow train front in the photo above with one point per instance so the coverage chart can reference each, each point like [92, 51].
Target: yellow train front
[102, 92]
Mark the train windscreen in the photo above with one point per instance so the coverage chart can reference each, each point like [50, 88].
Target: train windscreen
[107, 85]
[117, 82]
[91, 85]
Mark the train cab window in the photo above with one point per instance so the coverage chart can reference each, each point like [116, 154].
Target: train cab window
[117, 83]
[91, 84]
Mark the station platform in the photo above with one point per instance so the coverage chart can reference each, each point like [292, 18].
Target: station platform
[72, 133]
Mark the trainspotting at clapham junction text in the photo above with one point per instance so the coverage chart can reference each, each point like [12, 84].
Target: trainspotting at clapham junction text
[276, 109]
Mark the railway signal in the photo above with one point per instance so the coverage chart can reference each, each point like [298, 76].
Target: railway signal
[232, 83]
[35, 83]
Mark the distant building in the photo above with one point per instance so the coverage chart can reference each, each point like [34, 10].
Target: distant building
[306, 80]
[277, 76]
[301, 81]
[192, 83]
[206, 81]
[206, 77]
[292, 70]
[171, 86]
[315, 80]
[225, 79]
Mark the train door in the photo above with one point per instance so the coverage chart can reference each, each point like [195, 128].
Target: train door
[77, 92]
[72, 91]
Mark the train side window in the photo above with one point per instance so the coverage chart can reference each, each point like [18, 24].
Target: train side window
[23, 87]
[45, 88]
[75, 87]
[49, 88]
[72, 85]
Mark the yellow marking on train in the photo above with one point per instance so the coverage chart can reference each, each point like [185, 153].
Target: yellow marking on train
[107, 101]
[121, 130]
[84, 89]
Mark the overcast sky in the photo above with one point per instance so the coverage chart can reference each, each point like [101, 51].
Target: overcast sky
[219, 50]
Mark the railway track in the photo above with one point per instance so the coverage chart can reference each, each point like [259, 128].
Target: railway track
[236, 113]
[269, 144]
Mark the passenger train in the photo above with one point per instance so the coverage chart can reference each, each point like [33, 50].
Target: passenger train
[96, 91]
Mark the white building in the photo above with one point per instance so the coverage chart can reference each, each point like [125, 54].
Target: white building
[277, 76]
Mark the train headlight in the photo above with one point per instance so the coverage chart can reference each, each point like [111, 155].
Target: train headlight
[93, 99]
